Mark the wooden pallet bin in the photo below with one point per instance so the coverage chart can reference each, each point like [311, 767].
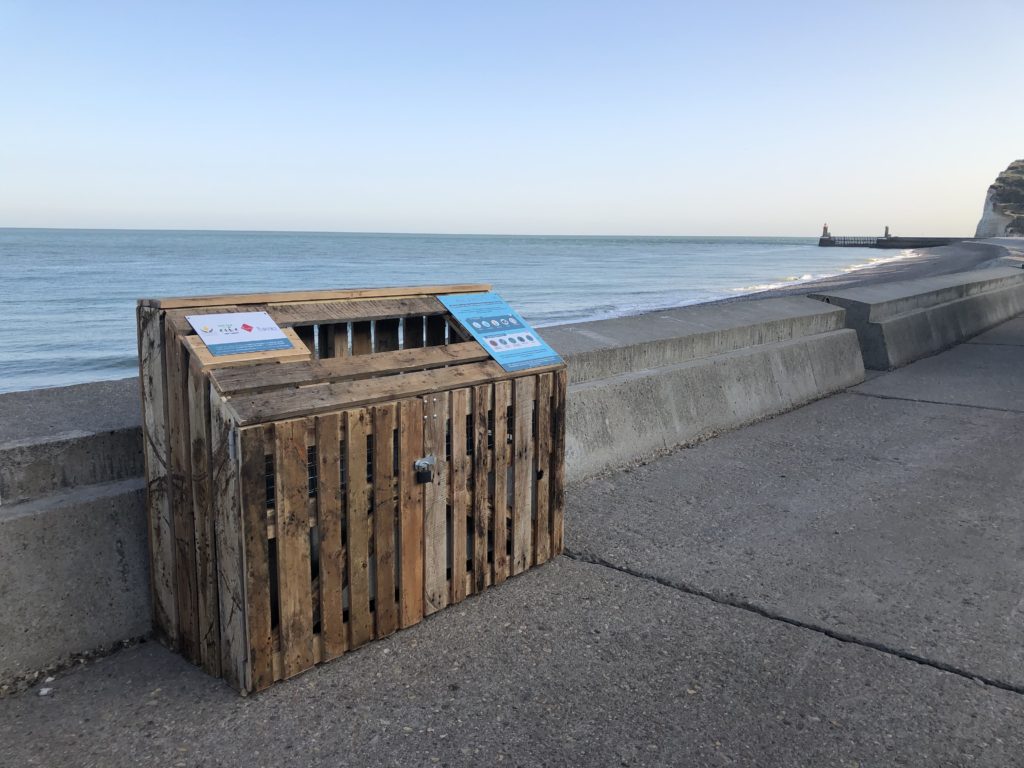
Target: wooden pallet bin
[287, 523]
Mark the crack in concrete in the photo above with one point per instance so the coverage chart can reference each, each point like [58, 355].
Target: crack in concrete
[935, 402]
[767, 613]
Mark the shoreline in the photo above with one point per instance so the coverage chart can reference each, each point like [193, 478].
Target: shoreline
[926, 262]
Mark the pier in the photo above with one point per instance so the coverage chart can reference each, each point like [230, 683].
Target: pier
[827, 240]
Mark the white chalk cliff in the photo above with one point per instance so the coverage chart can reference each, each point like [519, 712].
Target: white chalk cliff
[1003, 214]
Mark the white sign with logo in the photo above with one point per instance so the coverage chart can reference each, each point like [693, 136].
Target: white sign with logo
[236, 333]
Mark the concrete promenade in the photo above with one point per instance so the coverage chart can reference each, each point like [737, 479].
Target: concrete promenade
[840, 585]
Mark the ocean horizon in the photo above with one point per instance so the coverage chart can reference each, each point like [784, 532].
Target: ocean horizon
[67, 296]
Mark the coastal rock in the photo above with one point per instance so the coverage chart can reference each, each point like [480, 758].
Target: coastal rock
[1003, 214]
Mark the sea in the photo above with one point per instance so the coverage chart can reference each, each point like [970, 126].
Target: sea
[67, 296]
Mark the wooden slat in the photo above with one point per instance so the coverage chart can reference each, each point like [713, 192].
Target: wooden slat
[299, 351]
[332, 551]
[362, 341]
[321, 398]
[386, 335]
[542, 524]
[459, 495]
[178, 302]
[350, 311]
[435, 516]
[481, 486]
[230, 563]
[502, 400]
[436, 331]
[253, 490]
[186, 589]
[412, 333]
[561, 390]
[291, 507]
[524, 389]
[267, 376]
[360, 621]
[385, 507]
[152, 379]
[339, 340]
[410, 448]
[202, 509]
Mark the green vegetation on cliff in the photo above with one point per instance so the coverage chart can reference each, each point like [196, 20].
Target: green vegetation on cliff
[1007, 195]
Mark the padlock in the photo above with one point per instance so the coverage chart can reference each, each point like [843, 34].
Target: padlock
[424, 469]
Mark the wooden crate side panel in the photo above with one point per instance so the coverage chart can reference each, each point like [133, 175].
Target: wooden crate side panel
[259, 630]
[500, 516]
[557, 486]
[435, 514]
[482, 396]
[330, 519]
[524, 391]
[410, 430]
[208, 611]
[152, 378]
[295, 601]
[357, 488]
[542, 523]
[178, 444]
[459, 493]
[362, 338]
[224, 455]
[385, 507]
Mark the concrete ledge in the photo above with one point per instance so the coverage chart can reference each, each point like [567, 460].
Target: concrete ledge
[615, 421]
[73, 551]
[73, 574]
[897, 323]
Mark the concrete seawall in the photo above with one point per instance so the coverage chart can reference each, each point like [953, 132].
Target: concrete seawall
[73, 562]
[897, 323]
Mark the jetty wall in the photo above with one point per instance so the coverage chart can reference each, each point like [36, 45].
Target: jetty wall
[73, 557]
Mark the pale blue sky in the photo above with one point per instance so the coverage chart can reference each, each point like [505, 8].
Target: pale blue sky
[550, 117]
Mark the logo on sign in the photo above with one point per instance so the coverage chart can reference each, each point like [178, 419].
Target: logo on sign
[246, 327]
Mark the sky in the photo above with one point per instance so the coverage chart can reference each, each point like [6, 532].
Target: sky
[632, 118]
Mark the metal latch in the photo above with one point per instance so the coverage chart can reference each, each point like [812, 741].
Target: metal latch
[425, 468]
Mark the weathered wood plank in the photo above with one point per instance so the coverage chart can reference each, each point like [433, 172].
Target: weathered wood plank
[208, 612]
[179, 302]
[481, 485]
[459, 495]
[152, 378]
[291, 508]
[542, 523]
[385, 507]
[352, 310]
[321, 398]
[524, 390]
[230, 559]
[435, 522]
[561, 390]
[411, 513]
[500, 516]
[253, 490]
[178, 434]
[386, 335]
[412, 332]
[332, 551]
[266, 376]
[357, 488]
[362, 339]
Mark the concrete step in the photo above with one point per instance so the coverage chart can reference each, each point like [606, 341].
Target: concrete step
[73, 574]
[68, 437]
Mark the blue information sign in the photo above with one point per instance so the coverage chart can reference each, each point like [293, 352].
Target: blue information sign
[501, 331]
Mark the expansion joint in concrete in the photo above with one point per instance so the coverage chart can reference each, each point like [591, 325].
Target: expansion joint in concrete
[842, 637]
[935, 402]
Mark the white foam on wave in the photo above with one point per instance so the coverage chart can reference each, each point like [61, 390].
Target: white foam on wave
[808, 278]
